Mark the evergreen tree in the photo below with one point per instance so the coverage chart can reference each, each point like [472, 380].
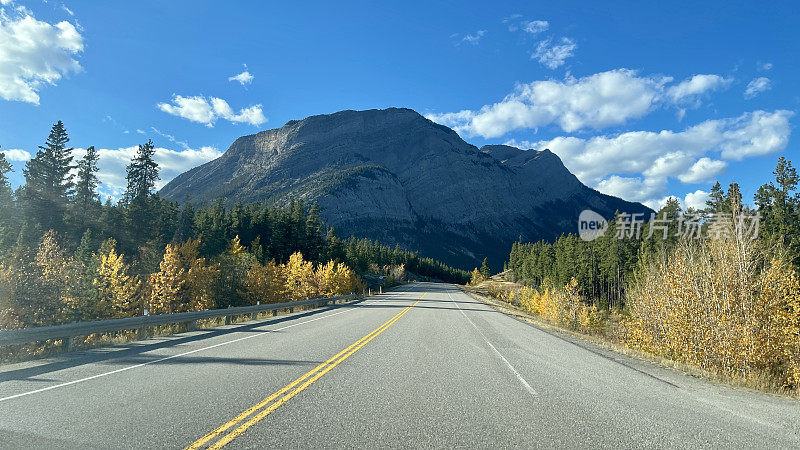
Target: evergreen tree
[5, 186]
[7, 212]
[716, 199]
[313, 230]
[142, 174]
[85, 207]
[186, 227]
[734, 199]
[48, 182]
[86, 185]
[485, 270]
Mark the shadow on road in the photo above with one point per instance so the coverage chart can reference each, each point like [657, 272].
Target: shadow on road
[132, 352]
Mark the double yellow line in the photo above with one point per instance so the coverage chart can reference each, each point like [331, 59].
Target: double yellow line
[266, 407]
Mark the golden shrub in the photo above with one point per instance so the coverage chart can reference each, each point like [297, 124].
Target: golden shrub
[714, 304]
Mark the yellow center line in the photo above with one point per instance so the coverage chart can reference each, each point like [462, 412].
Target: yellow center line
[311, 376]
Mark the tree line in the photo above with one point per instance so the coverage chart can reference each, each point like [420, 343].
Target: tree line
[713, 297]
[603, 267]
[65, 255]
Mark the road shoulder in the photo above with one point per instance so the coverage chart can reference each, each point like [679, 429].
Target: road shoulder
[669, 371]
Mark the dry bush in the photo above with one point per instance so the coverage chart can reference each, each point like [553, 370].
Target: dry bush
[715, 304]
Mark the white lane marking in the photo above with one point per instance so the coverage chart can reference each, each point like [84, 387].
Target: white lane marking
[68, 383]
[513, 369]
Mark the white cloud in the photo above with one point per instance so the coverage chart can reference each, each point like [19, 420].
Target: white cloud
[34, 53]
[696, 199]
[756, 134]
[632, 188]
[553, 55]
[535, 26]
[243, 78]
[637, 165]
[15, 154]
[764, 66]
[757, 86]
[208, 110]
[694, 87]
[474, 38]
[596, 101]
[67, 10]
[112, 164]
[704, 169]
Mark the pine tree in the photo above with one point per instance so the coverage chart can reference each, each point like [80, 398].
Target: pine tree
[716, 199]
[334, 250]
[142, 174]
[485, 270]
[734, 199]
[313, 232]
[5, 186]
[86, 185]
[186, 227]
[234, 265]
[48, 182]
[7, 212]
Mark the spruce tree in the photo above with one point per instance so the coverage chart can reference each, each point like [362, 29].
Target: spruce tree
[6, 204]
[86, 186]
[313, 231]
[716, 199]
[142, 174]
[48, 182]
[485, 270]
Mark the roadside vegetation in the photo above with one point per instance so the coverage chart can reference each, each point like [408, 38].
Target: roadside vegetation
[723, 302]
[67, 257]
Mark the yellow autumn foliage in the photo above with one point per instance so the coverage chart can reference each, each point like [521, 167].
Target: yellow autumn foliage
[297, 280]
[564, 306]
[477, 277]
[715, 304]
[116, 288]
[265, 283]
[184, 281]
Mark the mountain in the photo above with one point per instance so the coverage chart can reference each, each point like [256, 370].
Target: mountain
[395, 176]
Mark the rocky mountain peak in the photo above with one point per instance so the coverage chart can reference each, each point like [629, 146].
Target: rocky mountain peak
[395, 176]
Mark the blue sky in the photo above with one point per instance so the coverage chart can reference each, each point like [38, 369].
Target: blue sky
[641, 100]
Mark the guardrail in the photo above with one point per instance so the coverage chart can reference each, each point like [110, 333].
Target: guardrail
[71, 330]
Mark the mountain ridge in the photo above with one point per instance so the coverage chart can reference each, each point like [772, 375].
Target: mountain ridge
[395, 176]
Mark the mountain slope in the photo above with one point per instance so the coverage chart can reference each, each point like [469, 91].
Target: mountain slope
[395, 176]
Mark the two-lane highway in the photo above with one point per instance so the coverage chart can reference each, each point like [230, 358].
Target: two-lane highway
[421, 366]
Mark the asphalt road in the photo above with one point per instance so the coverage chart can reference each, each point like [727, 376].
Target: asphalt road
[447, 372]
